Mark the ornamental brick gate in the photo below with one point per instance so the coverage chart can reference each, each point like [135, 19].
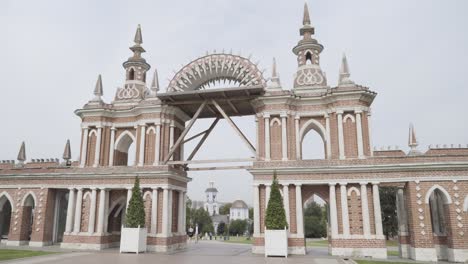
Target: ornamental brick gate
[81, 204]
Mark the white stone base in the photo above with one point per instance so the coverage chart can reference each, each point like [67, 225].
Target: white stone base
[39, 243]
[87, 246]
[17, 243]
[423, 254]
[380, 253]
[291, 250]
[457, 255]
[166, 249]
[404, 250]
[441, 251]
[258, 250]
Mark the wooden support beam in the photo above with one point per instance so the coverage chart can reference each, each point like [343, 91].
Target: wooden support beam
[233, 125]
[202, 140]
[184, 133]
[182, 162]
[219, 168]
[195, 136]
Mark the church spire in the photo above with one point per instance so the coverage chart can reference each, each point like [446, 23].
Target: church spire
[138, 38]
[306, 17]
[343, 79]
[137, 48]
[67, 151]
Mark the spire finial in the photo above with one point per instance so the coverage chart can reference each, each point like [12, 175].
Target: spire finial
[22, 153]
[138, 38]
[306, 18]
[412, 141]
[343, 79]
[67, 151]
[275, 83]
[273, 69]
[155, 82]
[98, 91]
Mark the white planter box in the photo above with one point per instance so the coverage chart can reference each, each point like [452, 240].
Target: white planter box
[133, 240]
[276, 243]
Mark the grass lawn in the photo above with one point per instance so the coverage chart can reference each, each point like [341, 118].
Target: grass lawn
[7, 254]
[392, 243]
[317, 243]
[240, 240]
[393, 253]
[378, 262]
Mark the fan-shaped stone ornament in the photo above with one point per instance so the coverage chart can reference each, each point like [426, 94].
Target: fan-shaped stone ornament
[206, 70]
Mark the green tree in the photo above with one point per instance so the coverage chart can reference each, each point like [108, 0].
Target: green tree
[203, 219]
[237, 227]
[388, 207]
[135, 216]
[224, 209]
[315, 220]
[221, 228]
[275, 218]
[251, 213]
[188, 213]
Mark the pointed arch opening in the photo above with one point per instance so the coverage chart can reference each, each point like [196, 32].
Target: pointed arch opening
[312, 140]
[29, 205]
[315, 211]
[308, 57]
[439, 202]
[5, 215]
[124, 152]
[116, 216]
[131, 74]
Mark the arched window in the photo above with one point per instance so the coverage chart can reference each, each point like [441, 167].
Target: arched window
[436, 206]
[5, 216]
[124, 154]
[131, 74]
[308, 57]
[312, 139]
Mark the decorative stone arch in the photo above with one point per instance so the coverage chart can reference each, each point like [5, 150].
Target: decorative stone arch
[447, 199]
[121, 148]
[275, 120]
[151, 128]
[349, 116]
[93, 131]
[354, 189]
[4, 196]
[315, 125]
[147, 193]
[25, 197]
[122, 140]
[212, 68]
[87, 195]
[119, 201]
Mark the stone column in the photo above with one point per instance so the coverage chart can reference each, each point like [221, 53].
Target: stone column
[165, 213]
[267, 194]
[298, 140]
[327, 127]
[184, 212]
[171, 137]
[256, 210]
[154, 211]
[70, 211]
[284, 139]
[333, 211]
[180, 228]
[106, 209]
[266, 118]
[157, 142]
[401, 212]
[97, 150]
[369, 133]
[257, 152]
[365, 210]
[129, 196]
[141, 155]
[340, 134]
[111, 148]
[299, 214]
[102, 210]
[79, 203]
[377, 211]
[344, 209]
[84, 147]
[92, 211]
[360, 144]
[170, 213]
[286, 202]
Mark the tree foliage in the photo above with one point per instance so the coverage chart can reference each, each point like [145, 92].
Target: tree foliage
[135, 216]
[224, 209]
[389, 212]
[202, 218]
[221, 228]
[315, 221]
[275, 218]
[238, 227]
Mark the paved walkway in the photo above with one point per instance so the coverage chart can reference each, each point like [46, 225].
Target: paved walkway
[205, 252]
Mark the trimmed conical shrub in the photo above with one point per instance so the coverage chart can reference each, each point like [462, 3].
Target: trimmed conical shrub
[135, 216]
[275, 218]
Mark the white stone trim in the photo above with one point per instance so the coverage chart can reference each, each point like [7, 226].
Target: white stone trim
[275, 120]
[349, 116]
[354, 189]
[448, 200]
[26, 196]
[314, 124]
[7, 197]
[423, 254]
[119, 138]
[378, 253]
[151, 128]
[457, 255]
[93, 131]
[341, 148]
[465, 204]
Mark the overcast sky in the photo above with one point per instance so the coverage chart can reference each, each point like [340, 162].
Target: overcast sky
[412, 53]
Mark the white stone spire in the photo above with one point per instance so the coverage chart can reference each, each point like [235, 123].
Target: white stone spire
[343, 79]
[155, 82]
[306, 17]
[412, 142]
[98, 91]
[275, 83]
[22, 153]
[67, 151]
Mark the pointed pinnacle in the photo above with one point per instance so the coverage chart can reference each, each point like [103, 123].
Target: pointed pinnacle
[306, 18]
[344, 69]
[155, 82]
[67, 151]
[138, 38]
[22, 153]
[273, 69]
[98, 91]
[412, 136]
